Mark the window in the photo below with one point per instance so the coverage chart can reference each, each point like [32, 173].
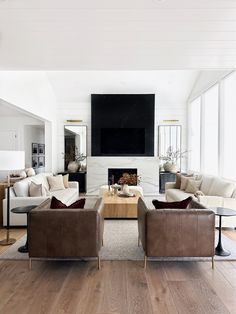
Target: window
[210, 136]
[229, 127]
[194, 135]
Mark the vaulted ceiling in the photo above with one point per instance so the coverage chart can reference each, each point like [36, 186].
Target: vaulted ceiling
[117, 35]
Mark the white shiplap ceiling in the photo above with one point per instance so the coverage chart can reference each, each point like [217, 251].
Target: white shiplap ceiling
[117, 35]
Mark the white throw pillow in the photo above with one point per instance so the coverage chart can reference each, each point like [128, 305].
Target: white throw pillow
[37, 190]
[206, 184]
[56, 183]
[21, 188]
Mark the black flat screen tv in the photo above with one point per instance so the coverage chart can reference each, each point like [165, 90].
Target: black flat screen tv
[123, 124]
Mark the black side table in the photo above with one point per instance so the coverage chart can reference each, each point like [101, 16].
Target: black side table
[165, 177]
[24, 210]
[226, 212]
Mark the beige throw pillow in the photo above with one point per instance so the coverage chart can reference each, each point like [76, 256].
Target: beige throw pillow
[184, 181]
[56, 183]
[36, 190]
[66, 181]
[192, 186]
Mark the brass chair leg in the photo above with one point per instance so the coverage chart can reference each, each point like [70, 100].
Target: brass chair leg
[99, 262]
[212, 262]
[30, 263]
[145, 261]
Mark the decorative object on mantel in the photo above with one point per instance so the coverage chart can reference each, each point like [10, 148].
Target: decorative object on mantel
[128, 179]
[171, 159]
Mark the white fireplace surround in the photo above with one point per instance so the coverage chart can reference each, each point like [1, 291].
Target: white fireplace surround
[148, 170]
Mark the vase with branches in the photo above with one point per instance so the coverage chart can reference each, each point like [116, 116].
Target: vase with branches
[171, 159]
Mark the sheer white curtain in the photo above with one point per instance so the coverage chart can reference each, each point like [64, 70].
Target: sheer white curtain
[195, 135]
[210, 132]
[229, 127]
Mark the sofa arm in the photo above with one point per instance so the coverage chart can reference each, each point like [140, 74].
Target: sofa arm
[73, 185]
[170, 185]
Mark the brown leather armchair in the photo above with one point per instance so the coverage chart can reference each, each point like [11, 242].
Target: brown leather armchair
[65, 233]
[176, 232]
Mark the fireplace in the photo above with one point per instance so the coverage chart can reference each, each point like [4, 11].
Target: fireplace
[114, 174]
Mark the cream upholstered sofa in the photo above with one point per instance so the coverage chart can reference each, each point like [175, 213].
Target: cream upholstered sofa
[19, 196]
[218, 192]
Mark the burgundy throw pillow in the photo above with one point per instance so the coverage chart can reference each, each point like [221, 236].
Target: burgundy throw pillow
[179, 205]
[56, 204]
[78, 204]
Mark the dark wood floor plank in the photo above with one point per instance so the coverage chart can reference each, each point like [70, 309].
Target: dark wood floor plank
[115, 286]
[162, 301]
[139, 300]
[49, 286]
[12, 273]
[74, 290]
[220, 285]
[181, 271]
[196, 296]
[119, 287]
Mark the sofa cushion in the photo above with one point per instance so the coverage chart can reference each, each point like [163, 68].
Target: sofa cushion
[36, 190]
[41, 178]
[206, 183]
[55, 183]
[57, 204]
[184, 181]
[181, 204]
[177, 195]
[193, 186]
[67, 196]
[220, 187]
[21, 188]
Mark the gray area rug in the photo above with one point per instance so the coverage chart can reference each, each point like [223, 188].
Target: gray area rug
[121, 243]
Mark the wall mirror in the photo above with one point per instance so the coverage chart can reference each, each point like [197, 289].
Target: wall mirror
[169, 136]
[75, 137]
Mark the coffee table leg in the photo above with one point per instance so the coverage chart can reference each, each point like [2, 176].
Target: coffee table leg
[24, 248]
[219, 249]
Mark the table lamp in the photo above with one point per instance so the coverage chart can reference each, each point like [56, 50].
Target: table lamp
[10, 161]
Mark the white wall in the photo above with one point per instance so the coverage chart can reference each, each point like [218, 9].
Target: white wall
[32, 134]
[22, 140]
[204, 81]
[78, 106]
[32, 92]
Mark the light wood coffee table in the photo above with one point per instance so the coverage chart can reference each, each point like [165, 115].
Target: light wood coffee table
[120, 207]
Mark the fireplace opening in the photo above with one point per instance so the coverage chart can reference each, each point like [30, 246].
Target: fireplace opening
[114, 174]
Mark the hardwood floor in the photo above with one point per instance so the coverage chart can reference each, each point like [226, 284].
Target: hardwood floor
[119, 287]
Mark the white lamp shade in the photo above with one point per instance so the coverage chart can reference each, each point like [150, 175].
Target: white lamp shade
[12, 160]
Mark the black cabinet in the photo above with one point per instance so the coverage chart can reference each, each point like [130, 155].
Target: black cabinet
[165, 177]
[79, 177]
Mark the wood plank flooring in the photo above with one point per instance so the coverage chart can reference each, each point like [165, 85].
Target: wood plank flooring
[119, 287]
